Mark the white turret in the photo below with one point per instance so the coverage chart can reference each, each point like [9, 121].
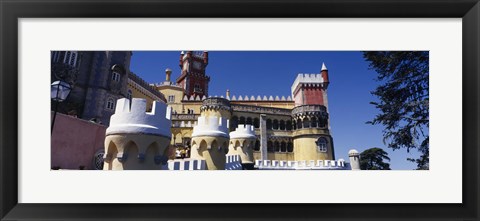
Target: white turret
[133, 119]
[354, 159]
[242, 141]
[211, 126]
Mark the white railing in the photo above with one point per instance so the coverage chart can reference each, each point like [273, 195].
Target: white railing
[302, 165]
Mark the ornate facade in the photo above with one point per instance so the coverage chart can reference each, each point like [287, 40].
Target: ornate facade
[254, 128]
[295, 127]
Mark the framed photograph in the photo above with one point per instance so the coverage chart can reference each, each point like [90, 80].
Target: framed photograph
[227, 110]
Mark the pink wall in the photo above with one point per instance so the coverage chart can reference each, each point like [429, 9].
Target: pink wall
[75, 142]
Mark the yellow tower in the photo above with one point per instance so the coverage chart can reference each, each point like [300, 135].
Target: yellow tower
[242, 141]
[311, 137]
[210, 136]
[311, 128]
[136, 139]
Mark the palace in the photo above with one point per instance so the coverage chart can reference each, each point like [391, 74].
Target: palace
[260, 130]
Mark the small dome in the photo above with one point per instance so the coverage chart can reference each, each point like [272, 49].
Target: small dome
[352, 152]
[168, 70]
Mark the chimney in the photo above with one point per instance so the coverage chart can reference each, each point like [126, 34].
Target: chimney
[168, 73]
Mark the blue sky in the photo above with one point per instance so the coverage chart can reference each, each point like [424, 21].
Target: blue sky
[273, 72]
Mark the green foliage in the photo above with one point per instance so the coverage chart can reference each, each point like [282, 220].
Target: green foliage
[372, 159]
[403, 100]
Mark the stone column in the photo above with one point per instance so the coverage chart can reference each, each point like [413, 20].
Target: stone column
[263, 137]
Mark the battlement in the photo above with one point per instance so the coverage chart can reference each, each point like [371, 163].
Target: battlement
[245, 131]
[133, 119]
[313, 79]
[233, 162]
[211, 126]
[302, 165]
[259, 98]
[186, 164]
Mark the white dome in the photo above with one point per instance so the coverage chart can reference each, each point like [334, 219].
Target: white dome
[353, 152]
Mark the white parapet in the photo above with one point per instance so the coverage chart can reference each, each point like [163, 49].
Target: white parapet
[302, 165]
[243, 131]
[307, 79]
[186, 164]
[233, 162]
[211, 126]
[133, 119]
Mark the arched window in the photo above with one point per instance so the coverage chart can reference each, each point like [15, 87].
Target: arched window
[282, 125]
[289, 125]
[299, 124]
[98, 160]
[269, 146]
[277, 146]
[55, 56]
[257, 145]
[275, 124]
[233, 123]
[290, 147]
[269, 124]
[306, 123]
[249, 121]
[322, 144]
[70, 58]
[314, 122]
[242, 120]
[110, 104]
[256, 123]
[116, 76]
[283, 147]
[322, 122]
[129, 94]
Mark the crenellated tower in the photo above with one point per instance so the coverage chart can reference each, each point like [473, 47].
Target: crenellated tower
[210, 136]
[193, 78]
[311, 127]
[136, 139]
[242, 141]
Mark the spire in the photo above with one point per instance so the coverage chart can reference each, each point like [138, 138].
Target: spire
[324, 68]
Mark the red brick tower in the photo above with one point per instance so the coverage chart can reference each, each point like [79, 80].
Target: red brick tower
[311, 89]
[193, 78]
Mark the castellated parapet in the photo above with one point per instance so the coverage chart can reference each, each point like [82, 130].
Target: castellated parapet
[136, 139]
[211, 126]
[308, 79]
[242, 141]
[135, 120]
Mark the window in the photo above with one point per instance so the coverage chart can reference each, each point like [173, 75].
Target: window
[196, 88]
[115, 76]
[129, 94]
[70, 58]
[55, 56]
[110, 104]
[171, 98]
[98, 160]
[322, 144]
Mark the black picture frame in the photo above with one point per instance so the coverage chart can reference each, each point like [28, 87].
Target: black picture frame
[12, 10]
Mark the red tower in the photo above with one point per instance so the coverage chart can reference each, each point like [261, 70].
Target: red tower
[193, 78]
[311, 89]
